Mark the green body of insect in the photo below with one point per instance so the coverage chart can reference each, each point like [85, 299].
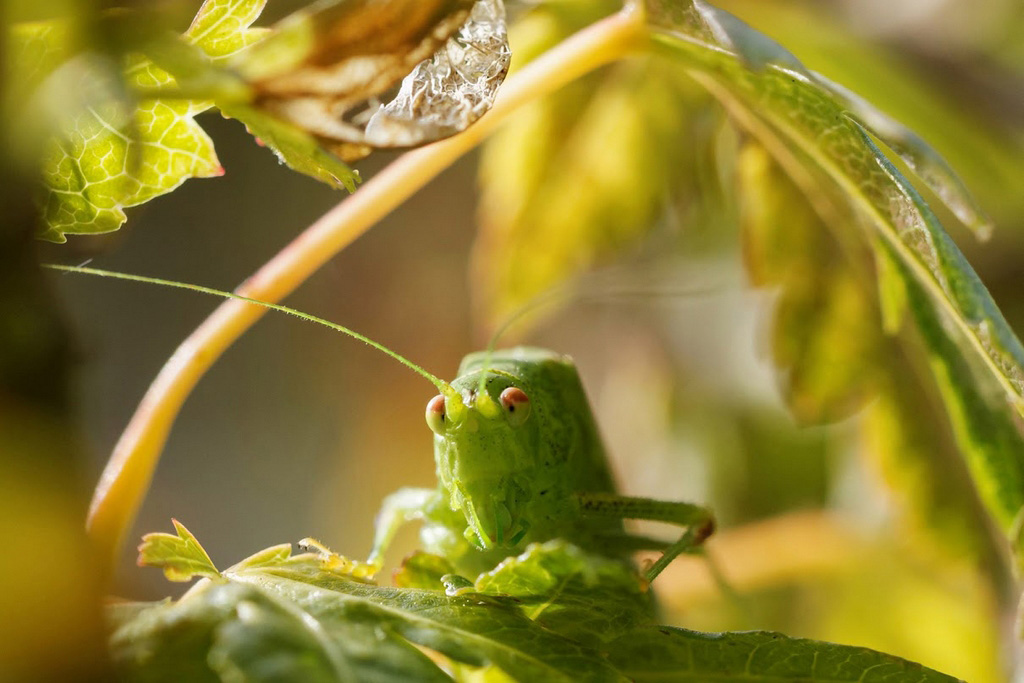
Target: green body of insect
[519, 460]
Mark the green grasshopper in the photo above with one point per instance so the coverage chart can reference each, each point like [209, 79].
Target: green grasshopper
[519, 460]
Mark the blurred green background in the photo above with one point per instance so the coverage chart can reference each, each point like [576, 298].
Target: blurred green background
[299, 432]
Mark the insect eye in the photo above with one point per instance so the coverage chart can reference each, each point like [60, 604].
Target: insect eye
[516, 404]
[436, 414]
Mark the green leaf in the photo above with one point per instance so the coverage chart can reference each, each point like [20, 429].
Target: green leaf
[117, 154]
[583, 596]
[553, 613]
[985, 149]
[115, 158]
[423, 570]
[295, 613]
[826, 333]
[180, 556]
[222, 28]
[789, 109]
[296, 148]
[986, 430]
[813, 135]
[579, 177]
[662, 653]
[759, 51]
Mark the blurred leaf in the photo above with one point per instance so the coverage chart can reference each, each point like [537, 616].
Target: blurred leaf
[946, 616]
[180, 556]
[222, 28]
[662, 653]
[826, 331]
[116, 154]
[115, 157]
[423, 570]
[796, 116]
[583, 172]
[986, 153]
[986, 430]
[908, 442]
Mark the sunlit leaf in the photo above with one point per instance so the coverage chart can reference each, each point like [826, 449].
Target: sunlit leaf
[799, 118]
[986, 430]
[985, 151]
[117, 154]
[826, 329]
[585, 597]
[554, 614]
[579, 177]
[179, 555]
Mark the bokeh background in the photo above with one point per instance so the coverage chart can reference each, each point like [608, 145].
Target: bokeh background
[299, 431]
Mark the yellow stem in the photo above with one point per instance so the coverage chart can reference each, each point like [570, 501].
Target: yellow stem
[129, 471]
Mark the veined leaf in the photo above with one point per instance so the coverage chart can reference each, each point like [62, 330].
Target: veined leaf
[800, 120]
[118, 154]
[662, 653]
[296, 616]
[180, 556]
[986, 430]
[551, 614]
[585, 597]
[786, 106]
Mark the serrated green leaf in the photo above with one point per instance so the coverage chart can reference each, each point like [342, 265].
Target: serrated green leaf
[662, 653]
[297, 610]
[277, 617]
[180, 556]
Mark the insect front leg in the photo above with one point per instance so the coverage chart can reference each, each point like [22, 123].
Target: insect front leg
[401, 507]
[699, 523]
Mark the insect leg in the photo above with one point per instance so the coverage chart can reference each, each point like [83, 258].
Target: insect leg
[699, 521]
[402, 506]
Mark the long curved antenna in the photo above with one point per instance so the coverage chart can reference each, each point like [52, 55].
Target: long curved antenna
[441, 385]
[572, 292]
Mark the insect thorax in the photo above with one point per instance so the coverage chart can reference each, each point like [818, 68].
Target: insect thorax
[513, 480]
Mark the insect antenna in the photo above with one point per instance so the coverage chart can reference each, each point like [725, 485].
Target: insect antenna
[589, 289]
[441, 385]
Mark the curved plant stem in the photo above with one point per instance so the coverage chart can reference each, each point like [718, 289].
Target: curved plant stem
[128, 473]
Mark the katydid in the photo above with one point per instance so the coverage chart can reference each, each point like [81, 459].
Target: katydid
[519, 460]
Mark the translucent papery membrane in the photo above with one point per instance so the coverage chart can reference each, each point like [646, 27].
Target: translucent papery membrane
[446, 93]
[441, 96]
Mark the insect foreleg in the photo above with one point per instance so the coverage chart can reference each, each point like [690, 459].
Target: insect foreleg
[399, 508]
[699, 522]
